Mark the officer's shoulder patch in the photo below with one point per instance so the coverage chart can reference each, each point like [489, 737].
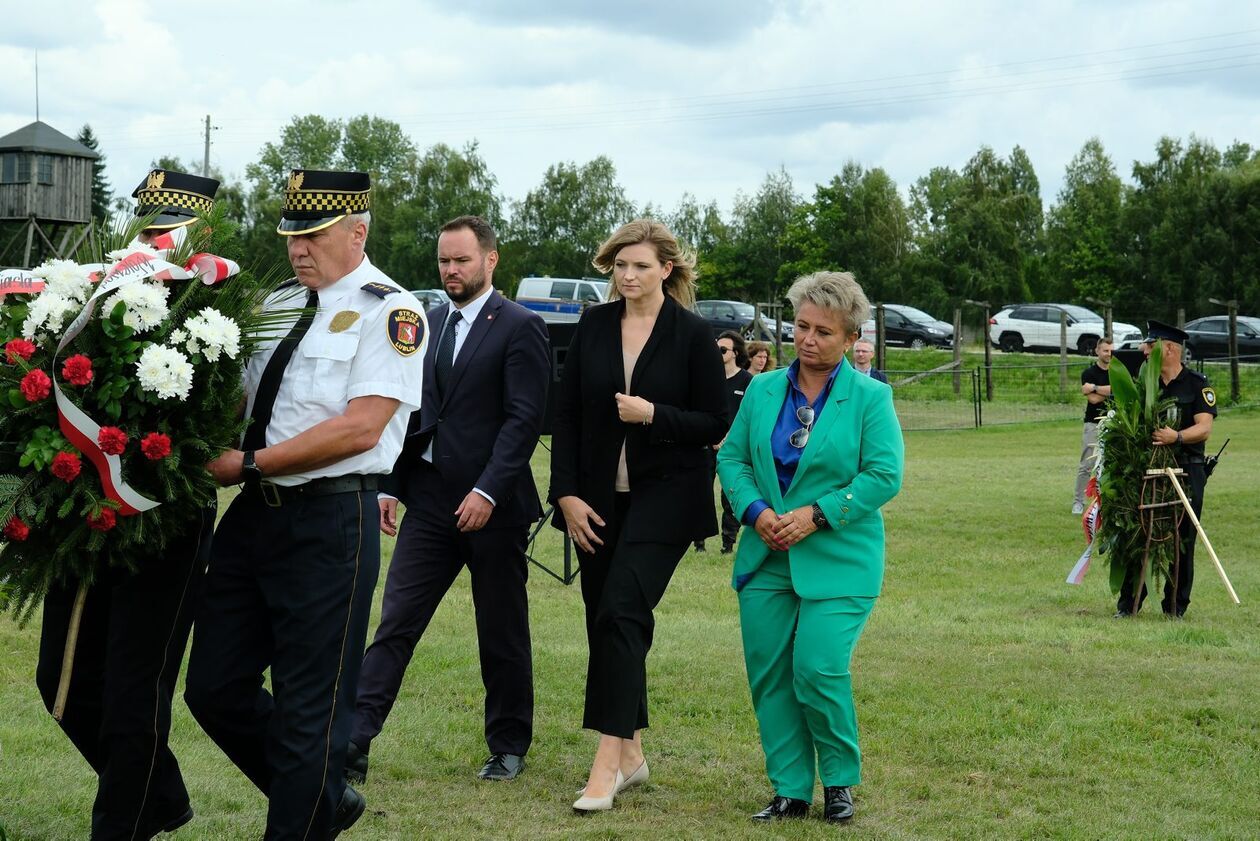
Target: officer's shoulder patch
[1209, 396]
[380, 290]
[405, 330]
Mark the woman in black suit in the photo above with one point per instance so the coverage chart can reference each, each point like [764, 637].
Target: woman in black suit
[642, 398]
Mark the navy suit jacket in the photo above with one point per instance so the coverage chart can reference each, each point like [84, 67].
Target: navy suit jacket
[485, 427]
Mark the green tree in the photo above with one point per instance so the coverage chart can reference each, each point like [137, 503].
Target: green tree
[1083, 229]
[101, 192]
[558, 226]
[751, 264]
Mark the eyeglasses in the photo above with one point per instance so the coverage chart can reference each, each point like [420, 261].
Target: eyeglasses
[799, 438]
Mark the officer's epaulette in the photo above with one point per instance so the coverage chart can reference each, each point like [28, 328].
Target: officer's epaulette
[288, 284]
[380, 290]
[1197, 375]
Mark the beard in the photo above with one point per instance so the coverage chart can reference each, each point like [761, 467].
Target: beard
[470, 287]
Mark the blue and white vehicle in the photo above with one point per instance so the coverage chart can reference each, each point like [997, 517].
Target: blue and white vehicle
[561, 299]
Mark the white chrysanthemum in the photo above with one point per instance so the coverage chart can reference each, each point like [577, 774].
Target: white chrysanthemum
[212, 333]
[165, 371]
[65, 278]
[178, 337]
[48, 313]
[136, 245]
[145, 302]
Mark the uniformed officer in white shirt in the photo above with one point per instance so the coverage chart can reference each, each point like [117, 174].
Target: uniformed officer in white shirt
[296, 556]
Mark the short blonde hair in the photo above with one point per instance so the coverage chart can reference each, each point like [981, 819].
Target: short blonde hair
[837, 292]
[681, 283]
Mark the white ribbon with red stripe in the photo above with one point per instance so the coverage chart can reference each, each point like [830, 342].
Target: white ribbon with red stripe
[19, 282]
[75, 424]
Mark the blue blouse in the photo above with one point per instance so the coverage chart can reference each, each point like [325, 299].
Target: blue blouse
[787, 457]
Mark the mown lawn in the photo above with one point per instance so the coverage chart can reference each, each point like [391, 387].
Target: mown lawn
[995, 700]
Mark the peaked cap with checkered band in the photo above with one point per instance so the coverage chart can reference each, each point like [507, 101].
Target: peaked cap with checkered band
[316, 199]
[176, 197]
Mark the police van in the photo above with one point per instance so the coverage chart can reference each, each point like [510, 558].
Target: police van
[561, 299]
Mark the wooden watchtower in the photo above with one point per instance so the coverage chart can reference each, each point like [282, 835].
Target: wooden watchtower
[46, 188]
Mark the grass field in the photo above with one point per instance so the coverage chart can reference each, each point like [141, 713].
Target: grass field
[995, 700]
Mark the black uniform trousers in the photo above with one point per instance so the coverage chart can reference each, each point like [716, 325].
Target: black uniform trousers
[118, 714]
[1193, 483]
[290, 589]
[622, 583]
[427, 558]
[730, 523]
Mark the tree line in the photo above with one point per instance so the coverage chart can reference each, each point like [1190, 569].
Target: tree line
[1182, 229]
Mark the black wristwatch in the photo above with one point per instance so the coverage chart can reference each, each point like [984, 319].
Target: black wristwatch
[250, 471]
[819, 518]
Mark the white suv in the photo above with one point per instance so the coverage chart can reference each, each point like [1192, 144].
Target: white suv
[1028, 326]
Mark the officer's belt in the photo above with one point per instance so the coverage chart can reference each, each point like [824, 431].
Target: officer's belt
[277, 495]
[1191, 460]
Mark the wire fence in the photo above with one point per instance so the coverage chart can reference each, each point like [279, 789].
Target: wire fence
[968, 398]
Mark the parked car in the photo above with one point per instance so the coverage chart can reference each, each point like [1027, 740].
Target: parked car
[1036, 326]
[738, 316]
[1209, 337]
[909, 327]
[430, 298]
[561, 299]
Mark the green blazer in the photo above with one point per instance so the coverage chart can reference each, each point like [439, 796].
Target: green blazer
[851, 466]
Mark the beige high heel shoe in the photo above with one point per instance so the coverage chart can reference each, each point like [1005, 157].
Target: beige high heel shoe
[639, 777]
[599, 804]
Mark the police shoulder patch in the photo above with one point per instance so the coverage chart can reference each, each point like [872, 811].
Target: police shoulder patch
[1209, 397]
[405, 330]
[380, 290]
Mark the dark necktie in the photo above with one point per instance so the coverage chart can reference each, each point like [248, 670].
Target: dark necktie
[446, 351]
[269, 383]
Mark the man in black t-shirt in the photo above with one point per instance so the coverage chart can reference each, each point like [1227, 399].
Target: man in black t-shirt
[1096, 386]
[1187, 429]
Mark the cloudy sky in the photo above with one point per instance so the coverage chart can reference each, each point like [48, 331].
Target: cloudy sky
[700, 96]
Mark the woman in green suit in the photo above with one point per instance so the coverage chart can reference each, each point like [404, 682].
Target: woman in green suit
[814, 452]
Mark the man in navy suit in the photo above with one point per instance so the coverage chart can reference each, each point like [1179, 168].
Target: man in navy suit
[465, 478]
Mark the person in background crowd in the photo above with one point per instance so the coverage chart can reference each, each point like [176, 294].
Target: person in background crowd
[1187, 432]
[863, 353]
[642, 400]
[464, 475]
[735, 358]
[813, 455]
[760, 359]
[134, 628]
[1096, 386]
[296, 555]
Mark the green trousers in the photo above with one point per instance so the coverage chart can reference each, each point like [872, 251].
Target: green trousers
[797, 653]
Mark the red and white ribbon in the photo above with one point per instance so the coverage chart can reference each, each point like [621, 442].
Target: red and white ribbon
[19, 282]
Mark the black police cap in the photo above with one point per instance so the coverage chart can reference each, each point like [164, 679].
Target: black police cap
[317, 198]
[176, 197]
[1156, 330]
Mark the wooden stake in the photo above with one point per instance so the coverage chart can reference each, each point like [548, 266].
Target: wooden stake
[67, 658]
[1207, 544]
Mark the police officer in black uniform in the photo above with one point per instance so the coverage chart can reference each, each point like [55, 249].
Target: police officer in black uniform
[1187, 431]
[296, 555]
[134, 628]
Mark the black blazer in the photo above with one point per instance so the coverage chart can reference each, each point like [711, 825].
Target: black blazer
[486, 426]
[680, 371]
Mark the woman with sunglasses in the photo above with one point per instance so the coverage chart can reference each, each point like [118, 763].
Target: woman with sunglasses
[814, 452]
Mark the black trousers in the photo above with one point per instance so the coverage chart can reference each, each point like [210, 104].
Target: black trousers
[730, 524]
[427, 558]
[290, 589]
[622, 583]
[118, 713]
[1194, 483]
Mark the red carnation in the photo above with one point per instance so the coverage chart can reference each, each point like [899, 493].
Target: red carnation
[35, 386]
[112, 440]
[17, 530]
[155, 446]
[66, 466]
[103, 521]
[77, 370]
[18, 348]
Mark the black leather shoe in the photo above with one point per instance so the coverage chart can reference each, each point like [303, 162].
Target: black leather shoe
[838, 803]
[502, 766]
[349, 810]
[1121, 614]
[783, 807]
[170, 824]
[356, 764]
